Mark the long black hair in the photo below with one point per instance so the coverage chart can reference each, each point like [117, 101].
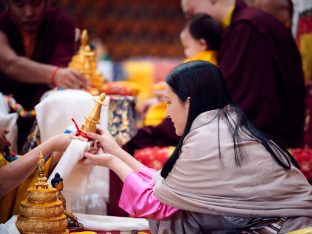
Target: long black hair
[203, 26]
[203, 82]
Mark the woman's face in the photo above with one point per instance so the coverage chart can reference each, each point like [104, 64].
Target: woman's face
[192, 46]
[176, 110]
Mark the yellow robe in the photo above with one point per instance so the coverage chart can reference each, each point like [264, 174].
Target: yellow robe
[10, 203]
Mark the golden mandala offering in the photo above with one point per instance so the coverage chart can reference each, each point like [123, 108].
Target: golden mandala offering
[41, 211]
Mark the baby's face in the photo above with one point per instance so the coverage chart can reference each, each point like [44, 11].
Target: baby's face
[192, 46]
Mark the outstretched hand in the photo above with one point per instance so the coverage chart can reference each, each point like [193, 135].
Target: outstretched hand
[60, 142]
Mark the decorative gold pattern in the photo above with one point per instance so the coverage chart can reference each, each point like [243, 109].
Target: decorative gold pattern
[41, 195]
[121, 118]
[48, 210]
[48, 225]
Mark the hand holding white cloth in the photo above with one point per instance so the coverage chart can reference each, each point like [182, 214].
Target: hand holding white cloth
[86, 187]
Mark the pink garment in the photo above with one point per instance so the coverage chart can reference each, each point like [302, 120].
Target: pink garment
[138, 199]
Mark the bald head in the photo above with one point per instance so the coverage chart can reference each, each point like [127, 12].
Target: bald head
[281, 9]
[218, 9]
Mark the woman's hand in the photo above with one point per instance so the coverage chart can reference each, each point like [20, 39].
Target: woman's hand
[104, 160]
[110, 161]
[107, 142]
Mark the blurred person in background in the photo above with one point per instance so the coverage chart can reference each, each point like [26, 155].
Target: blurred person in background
[261, 65]
[36, 44]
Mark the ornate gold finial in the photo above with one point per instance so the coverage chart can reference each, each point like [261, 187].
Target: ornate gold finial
[94, 117]
[84, 39]
[41, 181]
[85, 62]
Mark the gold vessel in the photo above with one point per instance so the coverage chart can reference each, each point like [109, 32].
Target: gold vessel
[85, 62]
[41, 211]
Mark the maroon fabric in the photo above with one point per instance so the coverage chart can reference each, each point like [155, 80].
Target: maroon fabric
[115, 188]
[54, 45]
[262, 67]
[160, 135]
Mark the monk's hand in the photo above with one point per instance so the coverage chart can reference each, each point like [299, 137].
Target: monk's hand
[70, 78]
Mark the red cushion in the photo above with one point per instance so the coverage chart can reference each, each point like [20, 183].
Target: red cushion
[154, 157]
[304, 159]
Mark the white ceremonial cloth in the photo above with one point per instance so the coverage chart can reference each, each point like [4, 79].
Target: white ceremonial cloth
[9, 227]
[86, 187]
[91, 222]
[55, 111]
[111, 223]
[8, 121]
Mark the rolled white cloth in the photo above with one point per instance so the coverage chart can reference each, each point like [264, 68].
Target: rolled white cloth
[111, 223]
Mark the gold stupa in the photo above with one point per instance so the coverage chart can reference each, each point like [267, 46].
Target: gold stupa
[41, 211]
[85, 62]
[95, 115]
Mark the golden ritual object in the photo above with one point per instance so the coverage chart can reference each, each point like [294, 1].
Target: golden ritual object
[85, 62]
[41, 211]
[94, 117]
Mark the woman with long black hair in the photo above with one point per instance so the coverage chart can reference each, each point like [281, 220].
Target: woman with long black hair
[224, 175]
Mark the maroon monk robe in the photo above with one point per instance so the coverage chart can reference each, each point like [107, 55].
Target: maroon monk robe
[161, 135]
[262, 67]
[54, 45]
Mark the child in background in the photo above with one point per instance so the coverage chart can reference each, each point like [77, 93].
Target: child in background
[201, 38]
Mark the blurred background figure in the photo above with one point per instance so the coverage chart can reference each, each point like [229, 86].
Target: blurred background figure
[36, 44]
[261, 65]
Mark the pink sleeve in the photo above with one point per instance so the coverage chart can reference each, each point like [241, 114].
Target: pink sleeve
[137, 197]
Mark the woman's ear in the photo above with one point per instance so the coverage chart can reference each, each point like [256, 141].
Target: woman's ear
[187, 102]
[203, 44]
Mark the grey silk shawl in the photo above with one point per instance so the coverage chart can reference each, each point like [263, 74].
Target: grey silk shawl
[201, 181]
